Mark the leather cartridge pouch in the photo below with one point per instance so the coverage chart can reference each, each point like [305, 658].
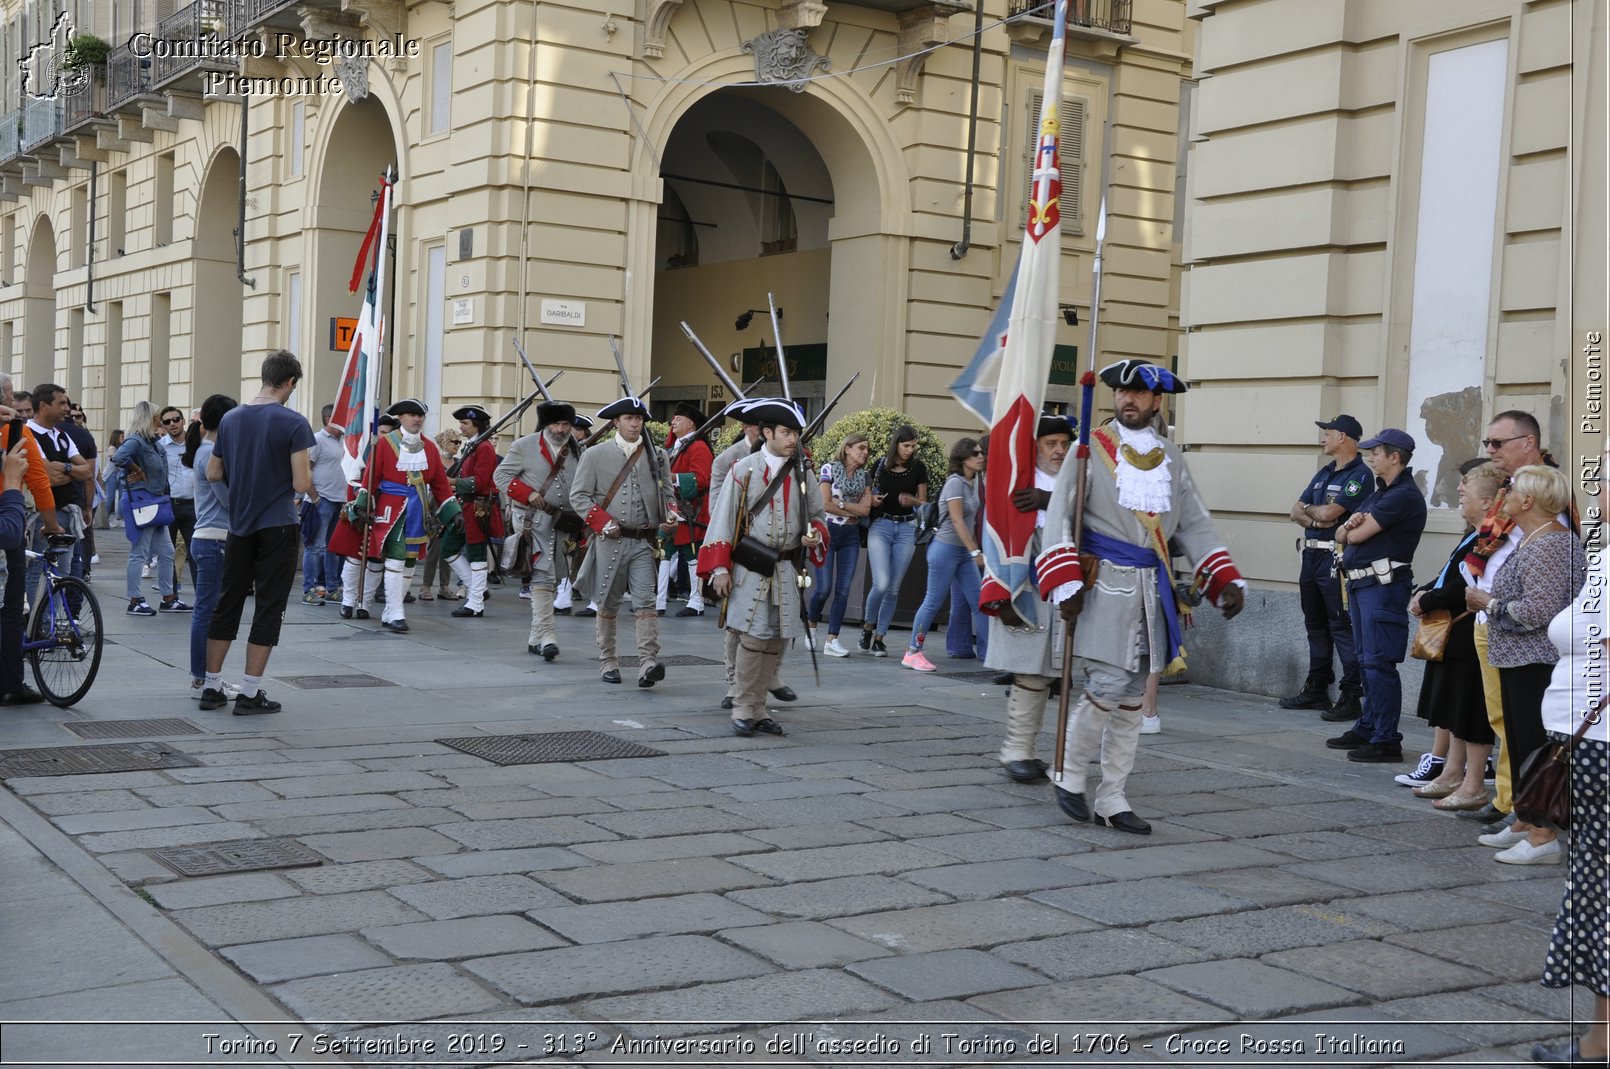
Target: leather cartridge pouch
[756, 556]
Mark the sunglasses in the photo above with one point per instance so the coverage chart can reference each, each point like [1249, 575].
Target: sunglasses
[1495, 443]
[174, 419]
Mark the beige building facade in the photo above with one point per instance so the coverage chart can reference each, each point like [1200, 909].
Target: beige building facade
[566, 172]
[1396, 210]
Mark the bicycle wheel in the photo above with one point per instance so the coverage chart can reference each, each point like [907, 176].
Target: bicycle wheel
[65, 669]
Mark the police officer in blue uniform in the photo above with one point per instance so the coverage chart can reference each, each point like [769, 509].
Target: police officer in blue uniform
[1332, 495]
[1379, 541]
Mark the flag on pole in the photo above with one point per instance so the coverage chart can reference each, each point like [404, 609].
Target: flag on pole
[358, 396]
[975, 387]
[1024, 365]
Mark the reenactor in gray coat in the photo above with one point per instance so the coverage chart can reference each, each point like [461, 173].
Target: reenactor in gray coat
[762, 539]
[1139, 499]
[535, 476]
[620, 491]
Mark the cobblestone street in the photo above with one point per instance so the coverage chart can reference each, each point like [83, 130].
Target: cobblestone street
[872, 866]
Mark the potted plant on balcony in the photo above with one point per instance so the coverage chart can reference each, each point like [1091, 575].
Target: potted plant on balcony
[86, 52]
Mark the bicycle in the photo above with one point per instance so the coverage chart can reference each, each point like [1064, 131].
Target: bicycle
[64, 637]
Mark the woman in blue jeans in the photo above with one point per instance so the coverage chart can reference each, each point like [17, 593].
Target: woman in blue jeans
[899, 485]
[144, 464]
[846, 501]
[953, 555]
[212, 528]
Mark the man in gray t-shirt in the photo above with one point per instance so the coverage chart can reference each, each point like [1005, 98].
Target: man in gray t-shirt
[321, 570]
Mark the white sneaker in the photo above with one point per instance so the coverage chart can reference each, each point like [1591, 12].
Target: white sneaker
[1524, 853]
[1151, 725]
[145, 571]
[1501, 839]
[833, 649]
[95, 558]
[810, 639]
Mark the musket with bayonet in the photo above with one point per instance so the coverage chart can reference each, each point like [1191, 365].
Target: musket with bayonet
[492, 429]
[542, 387]
[802, 580]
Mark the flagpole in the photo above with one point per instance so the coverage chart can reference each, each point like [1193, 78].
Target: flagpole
[371, 402]
[1081, 475]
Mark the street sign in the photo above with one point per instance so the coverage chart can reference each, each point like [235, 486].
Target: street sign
[342, 329]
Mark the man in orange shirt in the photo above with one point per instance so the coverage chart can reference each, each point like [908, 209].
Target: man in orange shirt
[13, 691]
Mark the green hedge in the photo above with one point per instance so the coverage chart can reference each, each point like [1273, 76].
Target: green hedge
[879, 425]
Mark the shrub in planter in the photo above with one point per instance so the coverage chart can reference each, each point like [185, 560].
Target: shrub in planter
[879, 425]
[85, 50]
[653, 430]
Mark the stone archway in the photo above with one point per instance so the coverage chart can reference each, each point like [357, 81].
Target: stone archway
[868, 233]
[38, 362]
[360, 145]
[217, 361]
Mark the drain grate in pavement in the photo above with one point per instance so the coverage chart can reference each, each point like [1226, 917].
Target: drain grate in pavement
[679, 660]
[242, 855]
[549, 747]
[79, 760]
[132, 729]
[335, 682]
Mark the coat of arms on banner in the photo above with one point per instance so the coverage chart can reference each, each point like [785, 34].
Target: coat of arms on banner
[785, 57]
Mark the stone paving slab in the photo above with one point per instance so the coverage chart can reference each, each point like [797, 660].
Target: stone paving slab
[378, 845]
[649, 879]
[1253, 823]
[1378, 970]
[1115, 998]
[934, 825]
[803, 944]
[1258, 932]
[359, 782]
[794, 811]
[1553, 1003]
[991, 879]
[1537, 896]
[940, 799]
[184, 835]
[466, 937]
[357, 876]
[134, 819]
[944, 974]
[374, 749]
[812, 995]
[477, 896]
[275, 807]
[292, 959]
[811, 836]
[74, 802]
[1418, 911]
[258, 922]
[403, 992]
[622, 851]
[1269, 887]
[1474, 1018]
[365, 820]
[212, 891]
[655, 824]
[96, 781]
[674, 915]
[535, 831]
[532, 807]
[1174, 860]
[842, 897]
[1383, 875]
[1251, 988]
[1083, 955]
[992, 845]
[1321, 845]
[207, 794]
[1512, 951]
[1134, 902]
[601, 969]
[265, 770]
[494, 862]
[960, 925]
[884, 858]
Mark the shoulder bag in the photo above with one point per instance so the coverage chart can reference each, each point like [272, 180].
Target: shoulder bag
[927, 522]
[1545, 777]
[749, 552]
[1431, 640]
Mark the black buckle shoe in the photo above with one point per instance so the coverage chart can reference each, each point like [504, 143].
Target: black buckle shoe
[1074, 805]
[726, 703]
[1029, 771]
[769, 726]
[562, 612]
[549, 651]
[689, 611]
[586, 612]
[651, 675]
[464, 612]
[611, 676]
[361, 614]
[396, 627]
[743, 728]
[1126, 821]
[785, 694]
[346, 612]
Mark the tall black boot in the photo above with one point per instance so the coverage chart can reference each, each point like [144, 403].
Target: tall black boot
[1314, 695]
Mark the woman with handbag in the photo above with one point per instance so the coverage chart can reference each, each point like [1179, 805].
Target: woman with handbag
[847, 503]
[147, 511]
[1536, 581]
[954, 554]
[1574, 717]
[1451, 696]
[899, 485]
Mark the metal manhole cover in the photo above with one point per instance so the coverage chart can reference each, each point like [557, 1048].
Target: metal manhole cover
[132, 729]
[78, 760]
[242, 855]
[334, 682]
[548, 747]
[680, 660]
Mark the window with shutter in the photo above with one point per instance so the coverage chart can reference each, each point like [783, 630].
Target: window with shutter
[1070, 155]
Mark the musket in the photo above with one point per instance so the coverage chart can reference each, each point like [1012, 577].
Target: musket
[720, 415]
[803, 580]
[597, 436]
[532, 371]
[1087, 383]
[512, 414]
[777, 335]
[653, 458]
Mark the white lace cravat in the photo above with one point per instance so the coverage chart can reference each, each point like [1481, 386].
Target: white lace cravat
[1138, 488]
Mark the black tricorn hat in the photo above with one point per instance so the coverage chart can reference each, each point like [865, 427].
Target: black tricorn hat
[475, 412]
[778, 410]
[555, 412]
[625, 406]
[581, 422]
[408, 406]
[1141, 375]
[690, 411]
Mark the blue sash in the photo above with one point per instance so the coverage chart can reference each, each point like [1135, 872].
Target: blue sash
[1133, 556]
[412, 521]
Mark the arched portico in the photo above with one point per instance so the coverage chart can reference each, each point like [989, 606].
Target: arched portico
[38, 364]
[216, 357]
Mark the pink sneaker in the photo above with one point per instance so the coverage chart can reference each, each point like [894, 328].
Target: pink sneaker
[915, 660]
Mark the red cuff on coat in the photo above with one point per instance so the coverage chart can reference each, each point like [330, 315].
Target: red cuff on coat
[1056, 566]
[818, 556]
[1216, 572]
[598, 519]
[714, 555]
[521, 491]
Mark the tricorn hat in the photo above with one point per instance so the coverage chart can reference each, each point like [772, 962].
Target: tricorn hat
[475, 412]
[581, 422]
[408, 406]
[1051, 423]
[555, 412]
[1140, 375]
[739, 410]
[778, 410]
[689, 411]
[626, 406]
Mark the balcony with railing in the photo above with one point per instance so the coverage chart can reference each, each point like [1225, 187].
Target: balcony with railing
[1105, 17]
[128, 77]
[83, 99]
[10, 136]
[41, 123]
[194, 39]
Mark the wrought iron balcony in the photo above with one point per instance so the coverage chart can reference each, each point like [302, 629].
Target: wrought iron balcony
[10, 136]
[41, 123]
[128, 76]
[1111, 16]
[195, 38]
[83, 99]
[262, 10]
